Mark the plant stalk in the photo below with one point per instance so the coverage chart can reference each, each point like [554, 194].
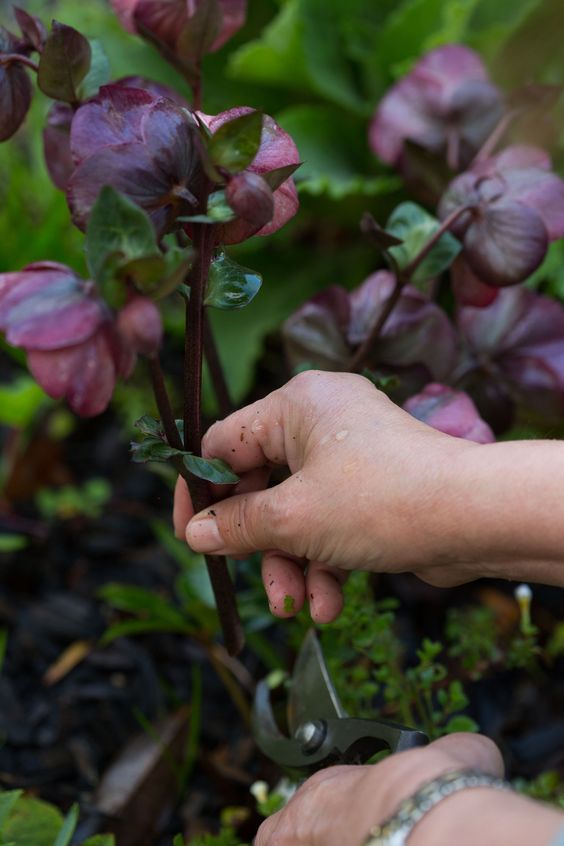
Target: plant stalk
[204, 239]
[17, 58]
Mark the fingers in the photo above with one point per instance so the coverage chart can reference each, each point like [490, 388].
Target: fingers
[183, 510]
[471, 750]
[324, 592]
[284, 583]
[252, 437]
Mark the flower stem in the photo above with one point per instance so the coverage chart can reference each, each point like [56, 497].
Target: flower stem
[163, 404]
[216, 370]
[204, 240]
[446, 224]
[402, 278]
[17, 58]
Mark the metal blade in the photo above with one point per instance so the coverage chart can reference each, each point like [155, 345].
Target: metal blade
[312, 693]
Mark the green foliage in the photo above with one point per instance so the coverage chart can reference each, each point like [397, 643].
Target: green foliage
[547, 787]
[415, 227]
[20, 402]
[229, 285]
[211, 469]
[10, 542]
[64, 63]
[235, 144]
[70, 501]
[27, 821]
[226, 837]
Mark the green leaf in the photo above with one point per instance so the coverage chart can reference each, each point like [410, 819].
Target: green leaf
[32, 822]
[20, 402]
[100, 840]
[218, 211]
[68, 827]
[461, 723]
[151, 449]
[211, 469]
[144, 603]
[277, 57]
[7, 801]
[339, 167]
[118, 233]
[230, 286]
[130, 628]
[275, 178]
[149, 426]
[64, 63]
[12, 543]
[236, 143]
[99, 73]
[329, 70]
[415, 226]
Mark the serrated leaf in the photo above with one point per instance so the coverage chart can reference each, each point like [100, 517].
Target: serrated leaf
[235, 144]
[99, 73]
[149, 426]
[117, 227]
[211, 469]
[415, 227]
[151, 449]
[64, 63]
[68, 827]
[230, 286]
[275, 178]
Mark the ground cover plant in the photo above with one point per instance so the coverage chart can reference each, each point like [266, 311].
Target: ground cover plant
[435, 222]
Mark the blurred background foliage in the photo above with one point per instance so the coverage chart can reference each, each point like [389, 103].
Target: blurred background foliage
[319, 67]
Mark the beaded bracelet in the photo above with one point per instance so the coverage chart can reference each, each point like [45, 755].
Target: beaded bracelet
[397, 828]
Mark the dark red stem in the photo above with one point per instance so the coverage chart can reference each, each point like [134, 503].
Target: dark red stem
[17, 58]
[216, 370]
[204, 240]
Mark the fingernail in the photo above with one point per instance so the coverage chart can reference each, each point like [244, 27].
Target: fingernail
[202, 534]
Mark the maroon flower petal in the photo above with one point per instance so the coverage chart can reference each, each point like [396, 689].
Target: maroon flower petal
[451, 412]
[56, 144]
[469, 288]
[124, 10]
[85, 375]
[113, 117]
[139, 325]
[158, 89]
[167, 19]
[277, 149]
[541, 191]
[417, 332]
[447, 91]
[15, 95]
[45, 309]
[314, 334]
[127, 168]
[505, 243]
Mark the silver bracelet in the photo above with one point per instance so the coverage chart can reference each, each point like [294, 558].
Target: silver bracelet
[397, 828]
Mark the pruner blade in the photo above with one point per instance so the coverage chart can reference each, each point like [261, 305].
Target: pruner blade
[321, 732]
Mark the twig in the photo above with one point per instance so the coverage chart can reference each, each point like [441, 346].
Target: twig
[17, 58]
[216, 370]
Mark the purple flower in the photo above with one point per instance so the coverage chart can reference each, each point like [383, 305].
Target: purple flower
[172, 21]
[276, 150]
[516, 207]
[74, 350]
[445, 104]
[451, 412]
[139, 325]
[417, 342]
[143, 145]
[514, 352]
[15, 87]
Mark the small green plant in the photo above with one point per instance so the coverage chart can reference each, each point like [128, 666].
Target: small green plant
[70, 501]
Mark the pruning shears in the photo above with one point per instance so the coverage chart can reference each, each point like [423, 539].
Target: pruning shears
[321, 733]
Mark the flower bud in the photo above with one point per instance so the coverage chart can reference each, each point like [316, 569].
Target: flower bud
[251, 198]
[139, 324]
[451, 412]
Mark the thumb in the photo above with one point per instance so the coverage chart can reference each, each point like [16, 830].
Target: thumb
[246, 523]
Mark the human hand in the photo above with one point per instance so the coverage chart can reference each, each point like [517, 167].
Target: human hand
[370, 489]
[339, 805]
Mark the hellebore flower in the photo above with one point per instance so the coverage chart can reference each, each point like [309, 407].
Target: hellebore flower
[516, 207]
[451, 412]
[74, 350]
[143, 145]
[417, 341]
[139, 325]
[173, 22]
[56, 135]
[513, 353]
[15, 87]
[277, 149]
[445, 104]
